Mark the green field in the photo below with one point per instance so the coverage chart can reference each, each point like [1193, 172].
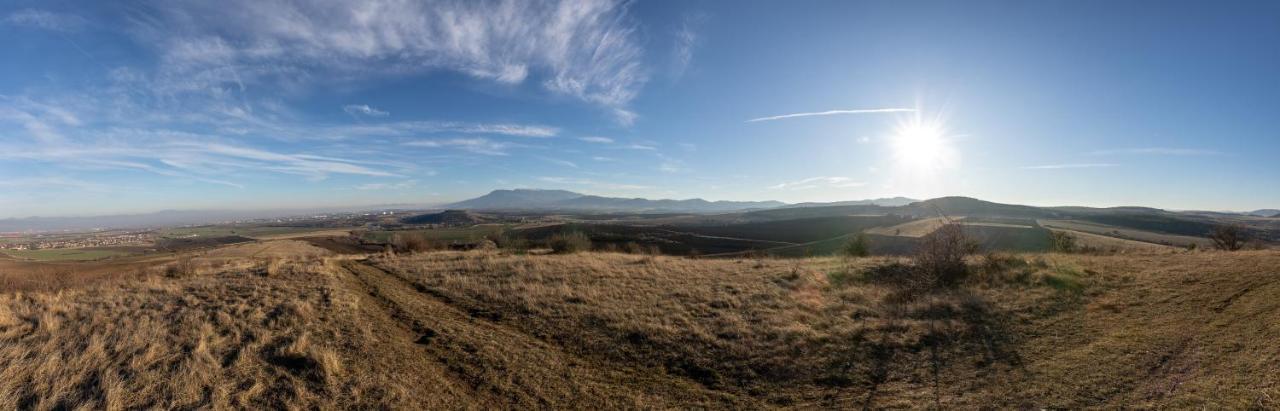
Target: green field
[64, 254]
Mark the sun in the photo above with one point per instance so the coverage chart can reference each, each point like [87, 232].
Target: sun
[921, 145]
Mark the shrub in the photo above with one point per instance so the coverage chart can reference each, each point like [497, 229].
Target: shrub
[856, 247]
[940, 256]
[1229, 237]
[1064, 242]
[568, 243]
[184, 267]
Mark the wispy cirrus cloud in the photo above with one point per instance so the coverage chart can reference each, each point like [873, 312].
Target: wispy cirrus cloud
[184, 156]
[597, 140]
[1158, 151]
[686, 40]
[402, 185]
[474, 145]
[364, 109]
[833, 113]
[411, 128]
[46, 20]
[1070, 166]
[818, 182]
[585, 49]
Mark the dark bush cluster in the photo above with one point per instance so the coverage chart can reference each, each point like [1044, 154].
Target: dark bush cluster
[857, 246]
[569, 243]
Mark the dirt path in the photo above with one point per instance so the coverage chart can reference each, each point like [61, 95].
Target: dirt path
[501, 366]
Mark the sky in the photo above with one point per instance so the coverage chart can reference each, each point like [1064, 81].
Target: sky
[138, 106]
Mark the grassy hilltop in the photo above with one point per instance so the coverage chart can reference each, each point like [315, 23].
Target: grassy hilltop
[283, 323]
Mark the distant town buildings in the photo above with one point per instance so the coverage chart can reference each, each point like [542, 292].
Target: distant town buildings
[91, 240]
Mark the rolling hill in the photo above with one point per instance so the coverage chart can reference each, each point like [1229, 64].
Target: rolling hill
[1267, 212]
[447, 217]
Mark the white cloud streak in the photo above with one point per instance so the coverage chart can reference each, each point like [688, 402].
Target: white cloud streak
[832, 113]
[405, 128]
[364, 109]
[597, 140]
[818, 182]
[474, 145]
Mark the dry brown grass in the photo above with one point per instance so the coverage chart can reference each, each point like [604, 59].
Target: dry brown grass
[233, 339]
[486, 329]
[811, 332]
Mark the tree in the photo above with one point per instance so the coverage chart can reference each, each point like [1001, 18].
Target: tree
[1229, 237]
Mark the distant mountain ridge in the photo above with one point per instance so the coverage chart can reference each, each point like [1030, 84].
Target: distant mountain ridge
[535, 199]
[884, 202]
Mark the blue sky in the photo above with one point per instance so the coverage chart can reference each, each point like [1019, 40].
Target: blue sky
[116, 107]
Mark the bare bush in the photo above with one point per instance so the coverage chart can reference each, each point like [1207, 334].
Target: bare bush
[1064, 242]
[184, 267]
[1229, 237]
[940, 256]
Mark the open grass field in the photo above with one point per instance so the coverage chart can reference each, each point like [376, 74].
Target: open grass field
[1102, 242]
[916, 228]
[485, 329]
[1127, 233]
[64, 254]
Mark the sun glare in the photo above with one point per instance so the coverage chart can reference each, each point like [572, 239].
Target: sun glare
[920, 145]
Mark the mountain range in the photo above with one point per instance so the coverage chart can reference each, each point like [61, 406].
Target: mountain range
[569, 201]
[533, 199]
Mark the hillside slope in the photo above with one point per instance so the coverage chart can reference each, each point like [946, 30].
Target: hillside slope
[491, 330]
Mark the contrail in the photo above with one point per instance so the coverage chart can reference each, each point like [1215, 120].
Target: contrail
[834, 112]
